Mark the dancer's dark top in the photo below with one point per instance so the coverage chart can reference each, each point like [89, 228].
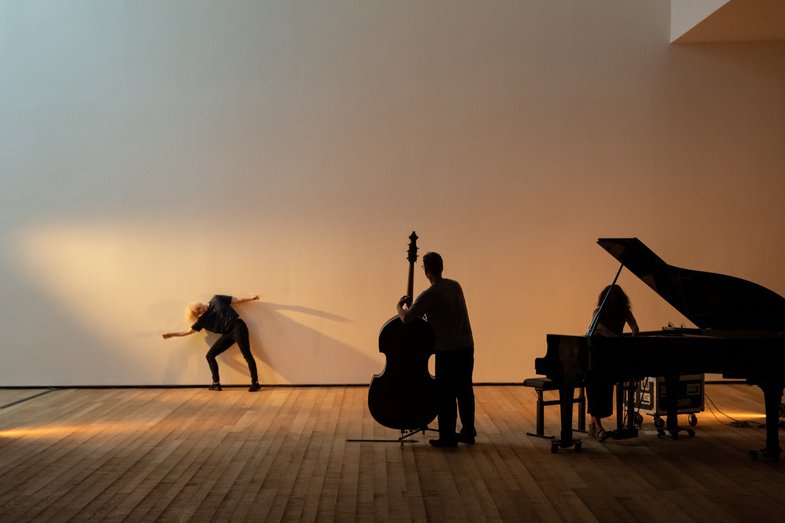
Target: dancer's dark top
[219, 316]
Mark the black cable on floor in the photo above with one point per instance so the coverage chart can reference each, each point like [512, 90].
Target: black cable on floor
[17, 402]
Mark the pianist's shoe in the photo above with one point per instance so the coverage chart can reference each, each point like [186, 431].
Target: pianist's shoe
[600, 435]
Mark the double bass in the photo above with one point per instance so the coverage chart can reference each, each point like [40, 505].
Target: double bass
[403, 395]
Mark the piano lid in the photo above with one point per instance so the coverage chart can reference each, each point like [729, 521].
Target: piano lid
[709, 300]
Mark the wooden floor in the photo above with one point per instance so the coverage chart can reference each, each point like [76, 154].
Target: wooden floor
[282, 454]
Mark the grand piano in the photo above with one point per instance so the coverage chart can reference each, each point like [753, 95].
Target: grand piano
[740, 334]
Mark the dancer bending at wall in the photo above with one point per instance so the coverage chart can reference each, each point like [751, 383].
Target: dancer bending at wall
[219, 317]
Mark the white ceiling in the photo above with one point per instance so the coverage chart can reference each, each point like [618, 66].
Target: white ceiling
[732, 21]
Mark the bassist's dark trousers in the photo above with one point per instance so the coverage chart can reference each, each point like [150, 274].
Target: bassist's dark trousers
[454, 385]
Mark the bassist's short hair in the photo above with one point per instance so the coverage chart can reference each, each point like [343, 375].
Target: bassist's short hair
[433, 263]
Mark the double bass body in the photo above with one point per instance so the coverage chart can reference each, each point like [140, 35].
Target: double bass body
[403, 395]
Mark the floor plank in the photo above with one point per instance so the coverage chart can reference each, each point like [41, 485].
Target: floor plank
[284, 454]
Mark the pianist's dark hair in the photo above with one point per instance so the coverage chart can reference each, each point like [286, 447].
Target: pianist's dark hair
[617, 303]
[433, 263]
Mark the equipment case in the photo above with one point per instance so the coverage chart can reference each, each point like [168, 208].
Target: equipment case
[651, 393]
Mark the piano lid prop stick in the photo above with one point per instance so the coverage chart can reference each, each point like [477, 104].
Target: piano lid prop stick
[596, 318]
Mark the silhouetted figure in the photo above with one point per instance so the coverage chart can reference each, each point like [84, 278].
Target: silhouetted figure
[219, 317]
[615, 313]
[444, 307]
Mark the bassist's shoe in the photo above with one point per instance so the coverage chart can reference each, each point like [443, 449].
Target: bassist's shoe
[444, 443]
[465, 438]
[215, 386]
[254, 387]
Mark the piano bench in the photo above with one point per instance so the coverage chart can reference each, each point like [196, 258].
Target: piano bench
[541, 384]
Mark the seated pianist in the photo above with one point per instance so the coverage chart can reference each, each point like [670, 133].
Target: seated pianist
[740, 334]
[614, 314]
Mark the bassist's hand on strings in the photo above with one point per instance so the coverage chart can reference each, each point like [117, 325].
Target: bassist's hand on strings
[403, 304]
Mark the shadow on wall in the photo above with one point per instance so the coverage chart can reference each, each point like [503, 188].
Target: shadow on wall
[287, 351]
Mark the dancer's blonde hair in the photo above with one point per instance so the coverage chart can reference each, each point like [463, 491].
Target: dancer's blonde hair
[191, 312]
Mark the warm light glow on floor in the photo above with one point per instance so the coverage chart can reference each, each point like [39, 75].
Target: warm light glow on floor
[61, 431]
[737, 415]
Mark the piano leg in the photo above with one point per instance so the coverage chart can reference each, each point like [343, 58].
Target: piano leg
[566, 401]
[565, 405]
[619, 407]
[625, 411]
[631, 410]
[670, 401]
[772, 398]
[671, 404]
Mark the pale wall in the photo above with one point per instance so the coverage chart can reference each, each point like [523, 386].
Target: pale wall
[154, 153]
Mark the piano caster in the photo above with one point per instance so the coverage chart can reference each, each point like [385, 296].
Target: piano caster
[674, 434]
[659, 424]
[624, 433]
[765, 454]
[557, 444]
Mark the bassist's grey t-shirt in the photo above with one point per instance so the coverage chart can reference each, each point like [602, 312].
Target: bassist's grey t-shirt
[444, 307]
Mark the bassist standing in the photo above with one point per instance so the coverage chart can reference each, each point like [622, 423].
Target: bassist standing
[444, 306]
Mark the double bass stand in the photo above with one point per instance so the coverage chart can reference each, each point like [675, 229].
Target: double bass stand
[404, 438]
